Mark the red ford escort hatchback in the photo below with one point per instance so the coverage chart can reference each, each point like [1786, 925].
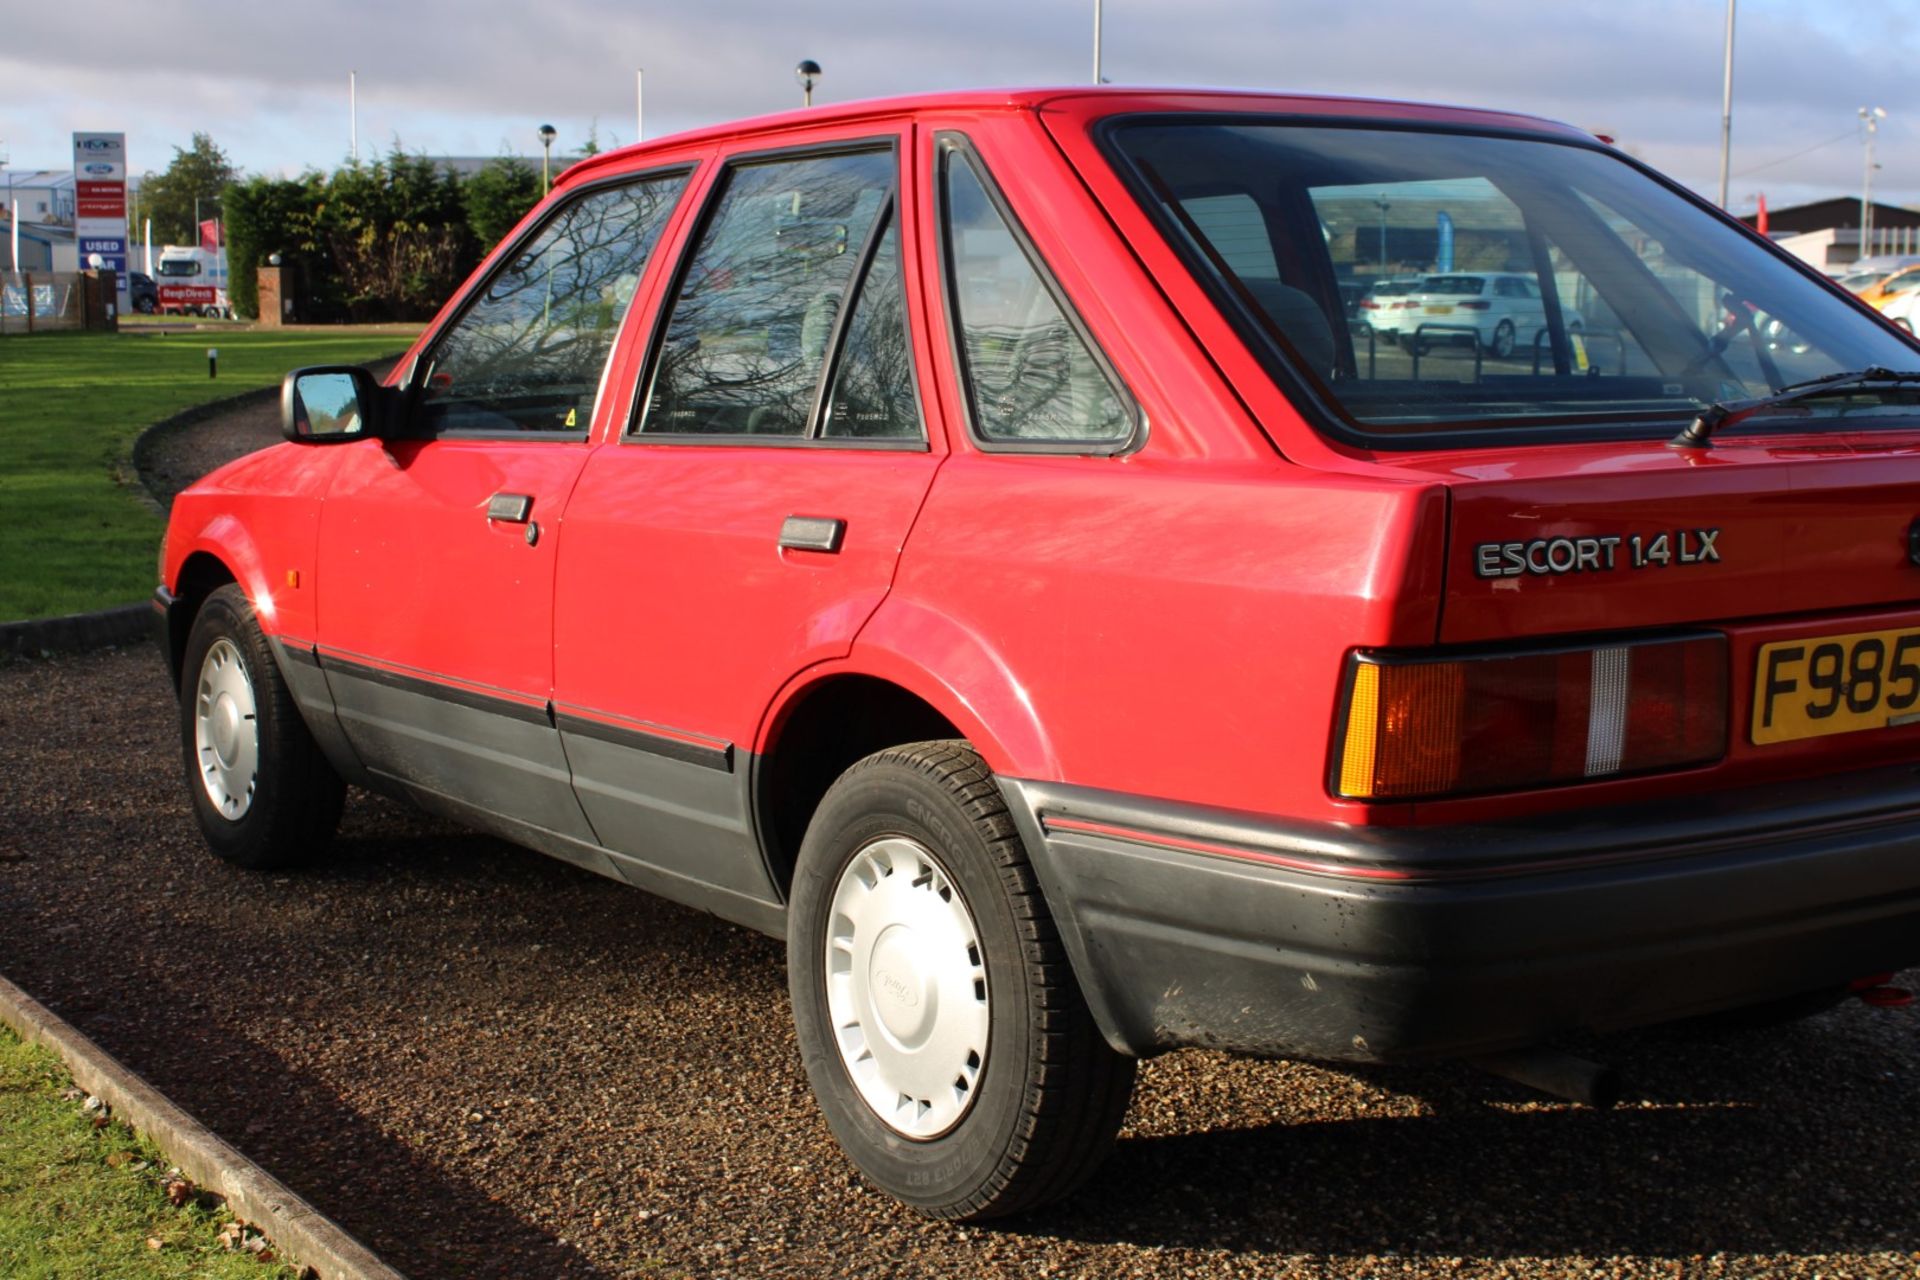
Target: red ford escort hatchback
[969, 537]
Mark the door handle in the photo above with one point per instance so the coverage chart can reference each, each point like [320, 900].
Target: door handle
[812, 533]
[510, 508]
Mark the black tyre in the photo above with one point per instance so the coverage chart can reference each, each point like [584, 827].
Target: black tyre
[264, 795]
[1502, 345]
[942, 1028]
[144, 306]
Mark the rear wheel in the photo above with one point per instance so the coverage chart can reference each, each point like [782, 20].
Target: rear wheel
[941, 1025]
[1501, 345]
[264, 795]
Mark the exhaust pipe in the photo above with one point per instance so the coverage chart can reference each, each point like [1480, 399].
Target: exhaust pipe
[1560, 1074]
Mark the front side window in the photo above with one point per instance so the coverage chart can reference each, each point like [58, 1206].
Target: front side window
[753, 325]
[528, 352]
[1031, 377]
[1556, 285]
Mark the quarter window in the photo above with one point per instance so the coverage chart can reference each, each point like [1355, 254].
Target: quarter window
[1031, 378]
[753, 322]
[528, 353]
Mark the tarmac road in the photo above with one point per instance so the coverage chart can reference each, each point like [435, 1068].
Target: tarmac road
[488, 1064]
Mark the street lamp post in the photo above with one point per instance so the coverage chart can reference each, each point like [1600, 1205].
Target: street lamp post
[808, 74]
[1726, 108]
[1871, 117]
[1097, 77]
[1383, 206]
[547, 134]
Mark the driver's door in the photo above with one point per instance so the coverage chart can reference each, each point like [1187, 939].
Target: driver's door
[437, 546]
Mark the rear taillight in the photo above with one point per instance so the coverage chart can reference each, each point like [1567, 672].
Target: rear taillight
[1417, 728]
[1369, 305]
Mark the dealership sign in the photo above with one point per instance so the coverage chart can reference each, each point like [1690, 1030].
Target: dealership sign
[100, 201]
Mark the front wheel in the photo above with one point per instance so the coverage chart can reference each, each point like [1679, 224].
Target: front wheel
[263, 793]
[942, 1028]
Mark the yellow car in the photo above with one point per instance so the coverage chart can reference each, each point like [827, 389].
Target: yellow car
[1899, 282]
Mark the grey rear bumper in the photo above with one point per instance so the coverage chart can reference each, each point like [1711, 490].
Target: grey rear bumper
[1196, 927]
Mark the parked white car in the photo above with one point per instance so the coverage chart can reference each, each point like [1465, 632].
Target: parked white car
[1385, 306]
[1501, 311]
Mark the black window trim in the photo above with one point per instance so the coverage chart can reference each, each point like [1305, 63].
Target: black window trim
[634, 432]
[948, 143]
[1304, 391]
[416, 371]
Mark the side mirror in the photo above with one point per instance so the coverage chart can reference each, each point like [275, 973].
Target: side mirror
[330, 404]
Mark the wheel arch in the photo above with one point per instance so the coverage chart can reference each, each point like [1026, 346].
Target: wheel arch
[822, 726]
[892, 697]
[201, 574]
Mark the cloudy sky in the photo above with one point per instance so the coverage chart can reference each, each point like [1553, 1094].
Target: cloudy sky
[476, 77]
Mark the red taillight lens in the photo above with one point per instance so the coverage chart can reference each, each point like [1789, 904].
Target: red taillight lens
[1368, 304]
[1426, 727]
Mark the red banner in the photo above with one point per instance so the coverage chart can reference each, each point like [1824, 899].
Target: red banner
[188, 295]
[100, 199]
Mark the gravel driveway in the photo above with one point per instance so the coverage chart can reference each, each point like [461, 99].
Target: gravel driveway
[486, 1063]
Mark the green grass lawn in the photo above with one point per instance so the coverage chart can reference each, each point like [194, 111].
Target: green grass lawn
[70, 408]
[79, 1202]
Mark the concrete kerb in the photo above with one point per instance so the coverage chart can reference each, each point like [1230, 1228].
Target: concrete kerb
[301, 1233]
[127, 624]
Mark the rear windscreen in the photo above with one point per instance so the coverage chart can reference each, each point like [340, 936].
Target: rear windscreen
[1555, 284]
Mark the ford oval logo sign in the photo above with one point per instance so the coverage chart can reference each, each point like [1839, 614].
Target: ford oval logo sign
[97, 167]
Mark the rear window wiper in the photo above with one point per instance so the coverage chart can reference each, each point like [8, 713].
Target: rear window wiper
[1698, 434]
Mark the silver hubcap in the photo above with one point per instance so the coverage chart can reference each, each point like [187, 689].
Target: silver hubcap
[225, 732]
[906, 988]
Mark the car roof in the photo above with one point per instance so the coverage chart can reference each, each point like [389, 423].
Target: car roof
[1081, 100]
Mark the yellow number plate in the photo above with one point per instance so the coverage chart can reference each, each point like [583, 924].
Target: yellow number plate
[1440, 311]
[1836, 684]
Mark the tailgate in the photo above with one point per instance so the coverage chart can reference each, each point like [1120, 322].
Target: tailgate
[1642, 536]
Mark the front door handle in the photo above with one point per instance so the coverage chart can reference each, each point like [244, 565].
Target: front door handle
[510, 508]
[812, 533]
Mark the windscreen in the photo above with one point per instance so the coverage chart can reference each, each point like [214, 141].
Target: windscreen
[1552, 284]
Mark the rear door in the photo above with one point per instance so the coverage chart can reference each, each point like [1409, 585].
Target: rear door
[748, 521]
[437, 549]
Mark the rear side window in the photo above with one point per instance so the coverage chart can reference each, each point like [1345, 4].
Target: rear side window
[759, 305]
[1031, 376]
[528, 352]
